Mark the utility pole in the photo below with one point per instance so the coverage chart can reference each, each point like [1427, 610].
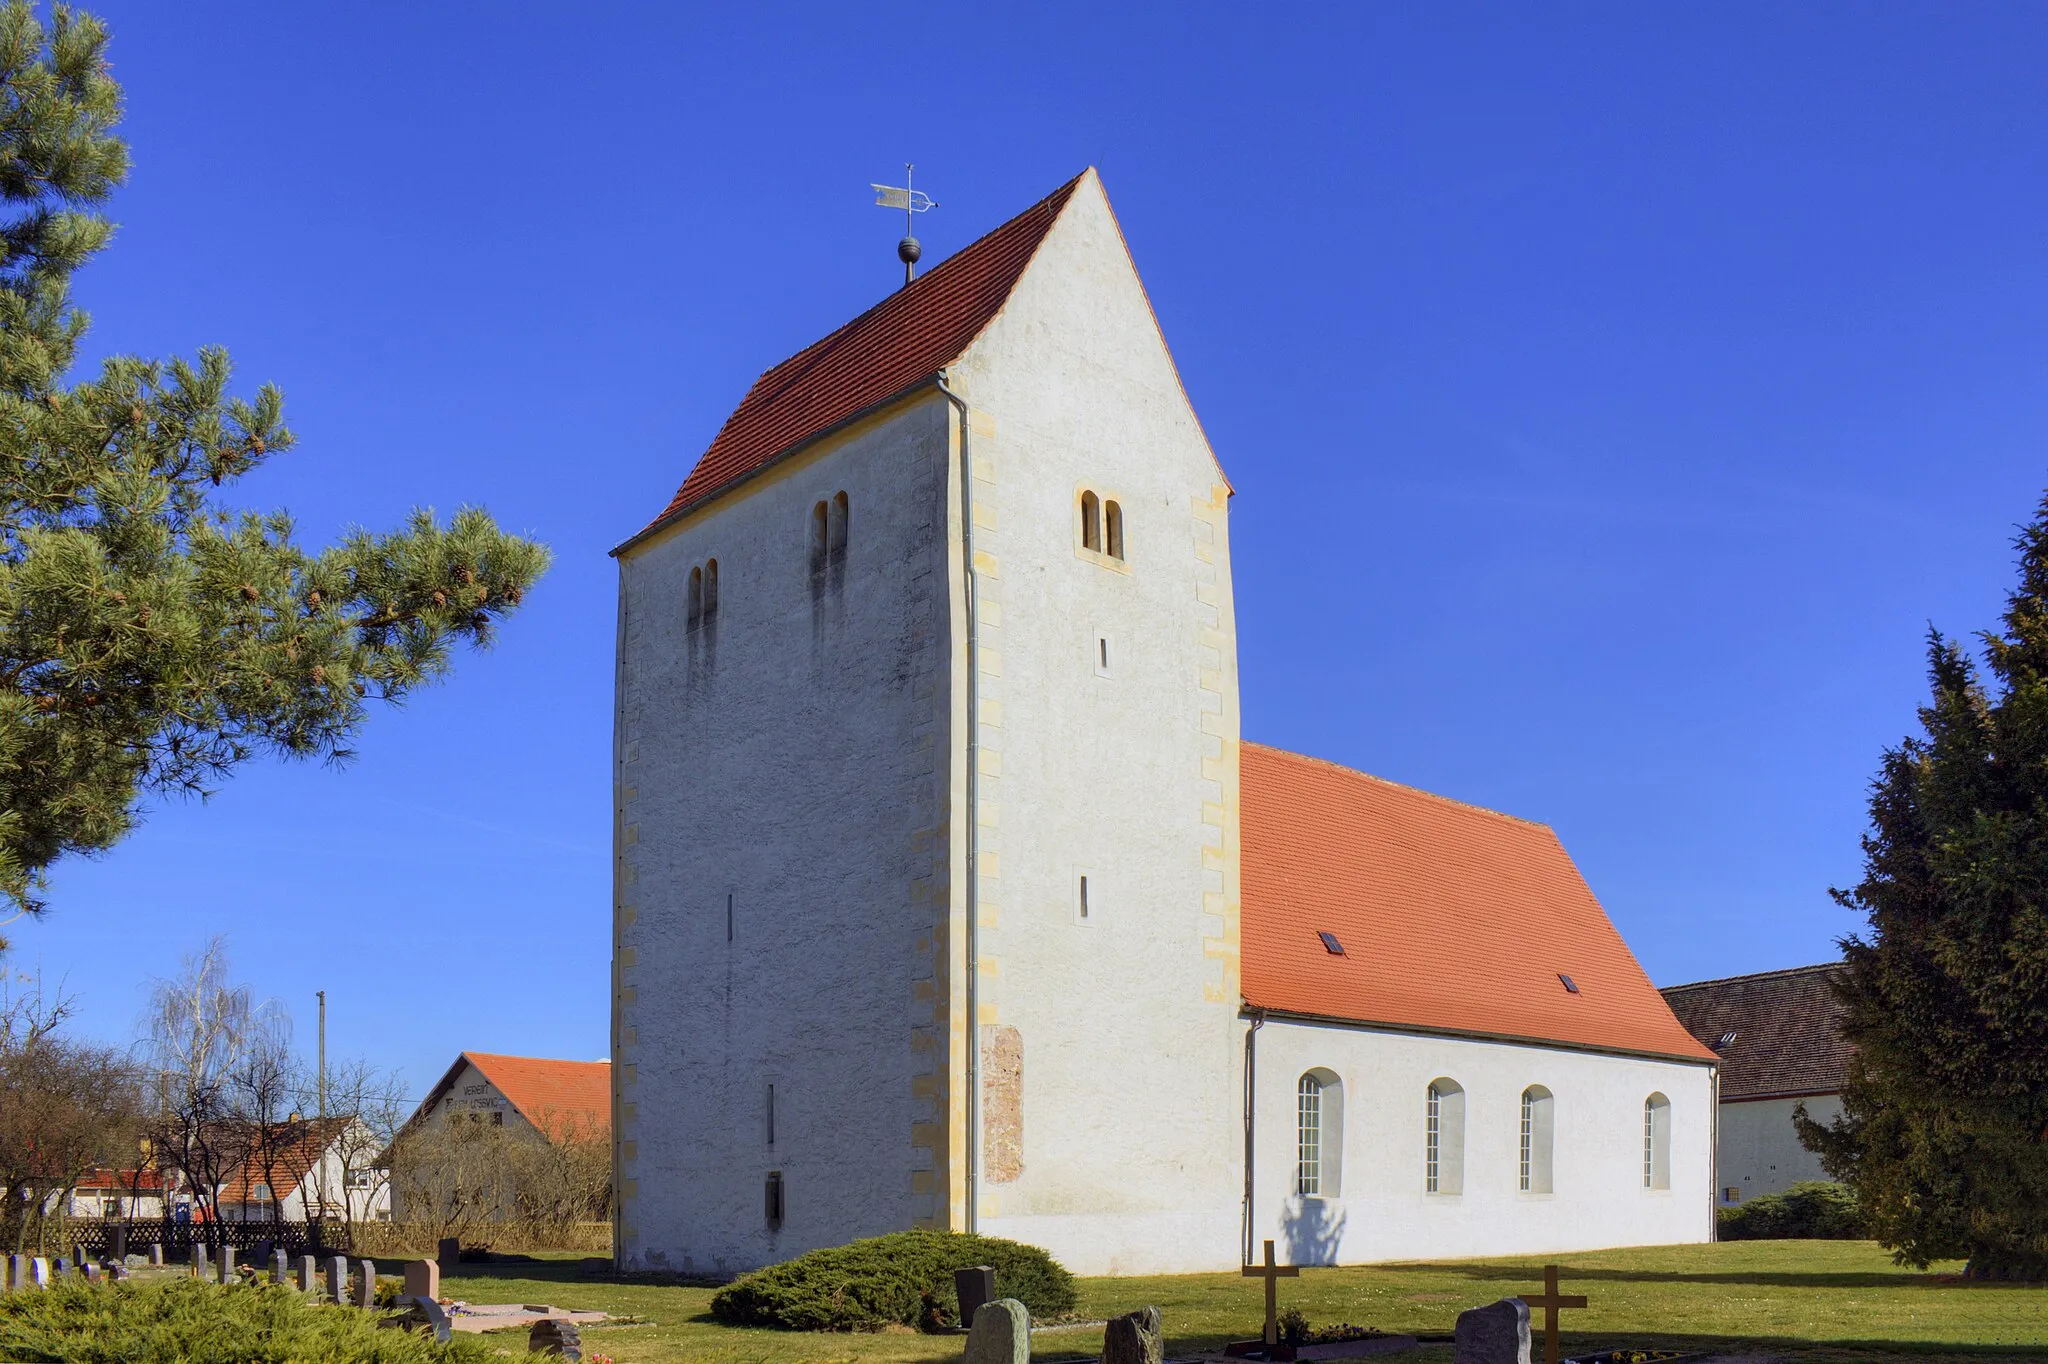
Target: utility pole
[321, 1138]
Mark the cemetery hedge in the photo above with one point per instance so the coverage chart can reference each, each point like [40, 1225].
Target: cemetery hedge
[902, 1279]
[1811, 1210]
[184, 1321]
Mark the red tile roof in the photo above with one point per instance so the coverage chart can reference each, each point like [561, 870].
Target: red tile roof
[901, 342]
[552, 1095]
[1787, 1025]
[1452, 918]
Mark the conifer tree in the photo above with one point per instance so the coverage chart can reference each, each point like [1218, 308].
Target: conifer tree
[149, 640]
[1944, 1131]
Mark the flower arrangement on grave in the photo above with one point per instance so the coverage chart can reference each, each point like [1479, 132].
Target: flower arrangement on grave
[1295, 1330]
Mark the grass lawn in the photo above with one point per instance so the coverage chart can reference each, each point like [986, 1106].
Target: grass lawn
[1808, 1300]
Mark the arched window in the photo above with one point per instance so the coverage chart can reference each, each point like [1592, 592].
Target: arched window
[710, 589]
[1113, 529]
[1319, 1134]
[818, 539]
[1656, 1142]
[1539, 1128]
[1091, 521]
[1443, 1170]
[835, 538]
[696, 613]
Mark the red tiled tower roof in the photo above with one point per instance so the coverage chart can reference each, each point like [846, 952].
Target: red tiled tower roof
[893, 347]
[1452, 918]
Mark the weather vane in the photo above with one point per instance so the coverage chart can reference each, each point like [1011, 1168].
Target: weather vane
[912, 202]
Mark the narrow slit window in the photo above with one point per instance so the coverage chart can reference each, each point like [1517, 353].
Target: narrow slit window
[1091, 522]
[1082, 901]
[819, 536]
[835, 545]
[696, 599]
[1308, 1166]
[771, 1115]
[710, 589]
[1113, 529]
[1656, 1142]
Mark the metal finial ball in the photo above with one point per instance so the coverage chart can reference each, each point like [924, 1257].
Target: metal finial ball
[908, 251]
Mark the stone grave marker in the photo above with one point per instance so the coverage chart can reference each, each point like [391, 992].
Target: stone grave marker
[366, 1286]
[1134, 1338]
[78, 1255]
[280, 1266]
[118, 1271]
[198, 1259]
[309, 1274]
[227, 1264]
[974, 1286]
[91, 1271]
[60, 1267]
[337, 1278]
[39, 1272]
[17, 1271]
[449, 1253]
[554, 1336]
[1495, 1334]
[261, 1251]
[120, 1251]
[156, 1253]
[429, 1313]
[1001, 1334]
[423, 1280]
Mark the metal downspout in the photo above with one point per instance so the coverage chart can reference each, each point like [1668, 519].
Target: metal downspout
[1251, 1111]
[972, 1136]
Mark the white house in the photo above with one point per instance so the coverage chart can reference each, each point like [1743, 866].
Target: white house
[1779, 1037]
[947, 894]
[309, 1168]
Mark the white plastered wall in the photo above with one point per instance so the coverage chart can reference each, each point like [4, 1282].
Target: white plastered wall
[1127, 1022]
[1760, 1150]
[795, 758]
[1382, 1211]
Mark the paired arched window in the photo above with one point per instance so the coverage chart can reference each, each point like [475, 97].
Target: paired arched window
[1319, 1134]
[828, 535]
[1656, 1142]
[1539, 1129]
[703, 594]
[1102, 525]
[1443, 1162]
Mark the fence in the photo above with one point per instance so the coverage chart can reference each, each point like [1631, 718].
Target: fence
[102, 1238]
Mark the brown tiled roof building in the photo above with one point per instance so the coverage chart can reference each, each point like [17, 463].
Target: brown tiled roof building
[1778, 1033]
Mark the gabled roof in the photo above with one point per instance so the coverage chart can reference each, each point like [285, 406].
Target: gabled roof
[892, 348]
[1787, 1024]
[552, 1095]
[295, 1148]
[1452, 918]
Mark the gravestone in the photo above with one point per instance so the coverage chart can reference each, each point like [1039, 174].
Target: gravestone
[1133, 1338]
[280, 1266]
[1495, 1334]
[366, 1286]
[118, 1271]
[428, 1313]
[156, 1253]
[309, 1274]
[261, 1251]
[974, 1286]
[120, 1240]
[78, 1255]
[91, 1271]
[1001, 1334]
[17, 1271]
[60, 1267]
[227, 1264]
[554, 1336]
[449, 1253]
[39, 1272]
[198, 1260]
[423, 1280]
[337, 1278]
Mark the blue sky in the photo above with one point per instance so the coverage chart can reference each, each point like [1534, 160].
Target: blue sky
[1614, 396]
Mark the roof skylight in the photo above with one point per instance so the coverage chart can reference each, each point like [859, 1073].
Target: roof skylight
[1330, 944]
[1571, 986]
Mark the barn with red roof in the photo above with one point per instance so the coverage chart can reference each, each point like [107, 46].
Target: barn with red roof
[948, 892]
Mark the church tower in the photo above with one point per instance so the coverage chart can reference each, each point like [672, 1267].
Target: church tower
[926, 770]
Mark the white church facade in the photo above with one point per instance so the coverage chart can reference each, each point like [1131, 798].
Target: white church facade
[947, 893]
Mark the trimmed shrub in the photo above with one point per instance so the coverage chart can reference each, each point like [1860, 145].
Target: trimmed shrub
[903, 1279]
[1812, 1210]
[184, 1321]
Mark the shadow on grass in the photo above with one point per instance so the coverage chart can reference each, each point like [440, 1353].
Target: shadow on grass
[571, 1271]
[1762, 1278]
[1588, 1342]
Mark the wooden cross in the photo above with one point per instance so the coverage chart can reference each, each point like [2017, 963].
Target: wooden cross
[1272, 1274]
[1549, 1301]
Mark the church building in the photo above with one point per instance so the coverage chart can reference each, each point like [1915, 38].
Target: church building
[948, 894]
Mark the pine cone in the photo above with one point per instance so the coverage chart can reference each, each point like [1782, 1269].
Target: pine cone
[440, 598]
[313, 599]
[248, 593]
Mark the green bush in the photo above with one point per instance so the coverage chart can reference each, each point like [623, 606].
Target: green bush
[185, 1321]
[1814, 1210]
[905, 1278]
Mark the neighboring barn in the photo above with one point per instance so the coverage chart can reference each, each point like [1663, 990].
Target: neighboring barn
[564, 1104]
[1779, 1037]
